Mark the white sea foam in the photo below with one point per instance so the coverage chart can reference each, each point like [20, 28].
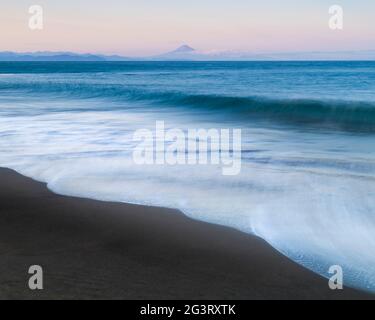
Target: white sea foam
[318, 211]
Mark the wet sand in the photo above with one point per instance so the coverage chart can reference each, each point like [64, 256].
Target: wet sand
[99, 250]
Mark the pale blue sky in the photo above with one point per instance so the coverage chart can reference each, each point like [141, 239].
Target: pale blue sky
[141, 27]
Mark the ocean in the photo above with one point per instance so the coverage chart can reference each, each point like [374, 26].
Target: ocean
[307, 179]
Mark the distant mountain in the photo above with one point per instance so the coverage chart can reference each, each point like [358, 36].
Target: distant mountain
[48, 56]
[187, 53]
[184, 52]
[183, 49]
[57, 56]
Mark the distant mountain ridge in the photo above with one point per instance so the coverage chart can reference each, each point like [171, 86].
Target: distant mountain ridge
[49, 56]
[187, 53]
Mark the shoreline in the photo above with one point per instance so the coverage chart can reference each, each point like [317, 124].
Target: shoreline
[90, 249]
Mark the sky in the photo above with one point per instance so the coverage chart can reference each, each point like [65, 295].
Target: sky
[147, 27]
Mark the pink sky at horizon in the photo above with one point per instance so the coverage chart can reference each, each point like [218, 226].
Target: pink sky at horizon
[143, 28]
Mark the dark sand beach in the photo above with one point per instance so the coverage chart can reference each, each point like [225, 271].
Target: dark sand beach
[99, 250]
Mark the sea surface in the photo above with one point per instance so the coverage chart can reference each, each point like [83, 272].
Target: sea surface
[307, 183]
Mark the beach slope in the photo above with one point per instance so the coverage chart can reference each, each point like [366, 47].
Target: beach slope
[98, 250]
